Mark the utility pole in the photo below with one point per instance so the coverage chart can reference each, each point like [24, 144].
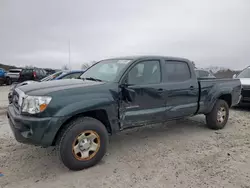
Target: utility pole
[69, 55]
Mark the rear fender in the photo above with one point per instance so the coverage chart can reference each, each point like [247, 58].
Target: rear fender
[213, 96]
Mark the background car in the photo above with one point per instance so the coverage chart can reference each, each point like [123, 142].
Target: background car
[244, 77]
[35, 74]
[2, 76]
[12, 76]
[71, 74]
[201, 73]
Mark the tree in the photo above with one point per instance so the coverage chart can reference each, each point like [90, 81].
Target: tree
[92, 62]
[87, 65]
[84, 66]
[193, 64]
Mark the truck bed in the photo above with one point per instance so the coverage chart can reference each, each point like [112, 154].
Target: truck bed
[210, 91]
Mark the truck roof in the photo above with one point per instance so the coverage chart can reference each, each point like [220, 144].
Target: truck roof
[150, 57]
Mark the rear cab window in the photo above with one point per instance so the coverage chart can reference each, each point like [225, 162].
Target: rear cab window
[14, 71]
[27, 72]
[177, 71]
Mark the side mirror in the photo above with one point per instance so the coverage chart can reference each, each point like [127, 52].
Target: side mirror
[128, 94]
[234, 76]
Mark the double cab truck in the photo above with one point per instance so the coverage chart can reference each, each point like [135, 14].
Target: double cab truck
[78, 115]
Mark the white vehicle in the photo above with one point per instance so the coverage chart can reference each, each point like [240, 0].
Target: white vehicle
[244, 77]
[12, 76]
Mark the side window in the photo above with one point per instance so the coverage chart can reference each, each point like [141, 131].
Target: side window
[177, 71]
[27, 72]
[38, 72]
[42, 72]
[146, 72]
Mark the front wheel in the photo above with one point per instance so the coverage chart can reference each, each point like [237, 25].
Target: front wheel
[218, 117]
[83, 143]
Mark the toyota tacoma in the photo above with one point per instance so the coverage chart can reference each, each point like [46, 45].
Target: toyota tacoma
[78, 115]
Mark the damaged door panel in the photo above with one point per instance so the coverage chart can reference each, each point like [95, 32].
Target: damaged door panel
[143, 100]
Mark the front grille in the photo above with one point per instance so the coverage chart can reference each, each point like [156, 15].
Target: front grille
[245, 93]
[246, 87]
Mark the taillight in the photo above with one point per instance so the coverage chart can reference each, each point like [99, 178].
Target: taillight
[34, 74]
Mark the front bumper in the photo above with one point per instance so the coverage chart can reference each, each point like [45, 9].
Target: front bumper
[32, 130]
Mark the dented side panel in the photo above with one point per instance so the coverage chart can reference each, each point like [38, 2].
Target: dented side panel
[147, 107]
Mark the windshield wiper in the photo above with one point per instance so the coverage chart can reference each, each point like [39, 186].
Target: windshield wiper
[93, 79]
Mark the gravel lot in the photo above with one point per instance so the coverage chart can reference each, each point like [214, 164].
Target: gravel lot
[4, 96]
[177, 154]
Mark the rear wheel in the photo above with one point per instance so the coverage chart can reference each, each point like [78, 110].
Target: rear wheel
[218, 117]
[83, 143]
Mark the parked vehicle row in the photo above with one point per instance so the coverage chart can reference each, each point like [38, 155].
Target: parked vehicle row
[20, 75]
[36, 74]
[201, 73]
[78, 115]
[56, 76]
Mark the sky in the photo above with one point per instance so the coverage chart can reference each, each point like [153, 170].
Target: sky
[209, 32]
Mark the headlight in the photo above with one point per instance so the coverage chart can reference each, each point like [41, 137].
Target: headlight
[35, 104]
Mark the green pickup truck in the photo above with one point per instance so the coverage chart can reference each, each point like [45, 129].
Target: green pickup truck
[78, 115]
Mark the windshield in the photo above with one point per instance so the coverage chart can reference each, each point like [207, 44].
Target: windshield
[245, 73]
[106, 70]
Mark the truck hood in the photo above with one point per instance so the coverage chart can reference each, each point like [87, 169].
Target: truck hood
[245, 81]
[43, 88]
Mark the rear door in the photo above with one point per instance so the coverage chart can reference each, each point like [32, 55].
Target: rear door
[145, 84]
[182, 89]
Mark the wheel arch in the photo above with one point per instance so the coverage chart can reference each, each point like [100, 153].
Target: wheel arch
[99, 114]
[227, 98]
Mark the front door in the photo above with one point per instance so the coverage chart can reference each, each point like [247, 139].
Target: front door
[147, 104]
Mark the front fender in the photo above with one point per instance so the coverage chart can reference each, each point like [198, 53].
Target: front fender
[76, 108]
[84, 106]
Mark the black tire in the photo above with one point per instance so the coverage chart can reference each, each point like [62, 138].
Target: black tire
[68, 136]
[212, 117]
[8, 81]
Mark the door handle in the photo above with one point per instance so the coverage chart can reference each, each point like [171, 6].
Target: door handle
[191, 87]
